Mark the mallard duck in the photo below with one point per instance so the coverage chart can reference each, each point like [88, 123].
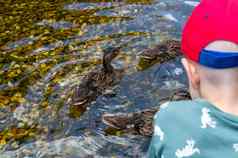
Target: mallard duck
[98, 80]
[168, 49]
[141, 122]
[161, 53]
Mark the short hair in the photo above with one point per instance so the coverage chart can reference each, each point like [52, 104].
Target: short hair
[220, 76]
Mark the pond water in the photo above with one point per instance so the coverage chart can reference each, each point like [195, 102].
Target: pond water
[47, 47]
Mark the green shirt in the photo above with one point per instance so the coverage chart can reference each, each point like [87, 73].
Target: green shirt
[194, 129]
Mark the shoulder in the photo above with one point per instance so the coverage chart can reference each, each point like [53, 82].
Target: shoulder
[181, 118]
[178, 113]
[176, 108]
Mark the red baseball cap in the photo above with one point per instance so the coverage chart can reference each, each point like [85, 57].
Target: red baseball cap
[210, 21]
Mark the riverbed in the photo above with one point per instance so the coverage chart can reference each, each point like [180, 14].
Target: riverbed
[47, 47]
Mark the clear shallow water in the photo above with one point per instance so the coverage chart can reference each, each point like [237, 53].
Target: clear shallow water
[46, 49]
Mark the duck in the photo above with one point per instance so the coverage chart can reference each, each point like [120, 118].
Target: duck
[160, 53]
[170, 48]
[97, 81]
[139, 122]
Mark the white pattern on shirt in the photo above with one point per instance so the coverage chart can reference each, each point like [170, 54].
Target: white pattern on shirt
[206, 119]
[235, 147]
[164, 105]
[155, 116]
[188, 150]
[158, 132]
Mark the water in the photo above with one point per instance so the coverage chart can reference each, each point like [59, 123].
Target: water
[46, 49]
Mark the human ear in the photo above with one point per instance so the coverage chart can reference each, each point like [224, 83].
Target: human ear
[192, 71]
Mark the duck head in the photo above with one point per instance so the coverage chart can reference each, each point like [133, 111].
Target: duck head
[108, 55]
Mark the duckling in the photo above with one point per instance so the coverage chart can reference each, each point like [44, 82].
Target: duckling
[161, 53]
[169, 49]
[141, 122]
[97, 81]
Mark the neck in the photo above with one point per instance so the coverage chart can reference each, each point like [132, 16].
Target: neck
[224, 98]
[107, 66]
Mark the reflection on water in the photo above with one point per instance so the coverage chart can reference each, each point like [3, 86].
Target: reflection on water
[47, 47]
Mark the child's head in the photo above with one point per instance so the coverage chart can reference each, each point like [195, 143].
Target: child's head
[210, 46]
[205, 81]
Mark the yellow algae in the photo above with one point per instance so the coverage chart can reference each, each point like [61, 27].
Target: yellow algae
[16, 134]
[17, 97]
[76, 111]
[23, 65]
[4, 100]
[44, 104]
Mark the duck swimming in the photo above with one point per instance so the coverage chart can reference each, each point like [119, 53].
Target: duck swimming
[140, 122]
[97, 81]
[161, 53]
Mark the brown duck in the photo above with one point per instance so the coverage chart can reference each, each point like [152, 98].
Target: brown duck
[161, 53]
[168, 49]
[141, 122]
[97, 81]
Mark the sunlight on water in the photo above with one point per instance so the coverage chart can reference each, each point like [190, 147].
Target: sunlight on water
[48, 47]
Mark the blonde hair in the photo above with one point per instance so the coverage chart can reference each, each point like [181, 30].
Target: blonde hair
[219, 86]
[220, 76]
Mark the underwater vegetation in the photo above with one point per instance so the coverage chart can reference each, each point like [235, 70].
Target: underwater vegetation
[65, 63]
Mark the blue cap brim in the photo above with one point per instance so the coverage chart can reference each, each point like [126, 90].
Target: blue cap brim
[218, 60]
